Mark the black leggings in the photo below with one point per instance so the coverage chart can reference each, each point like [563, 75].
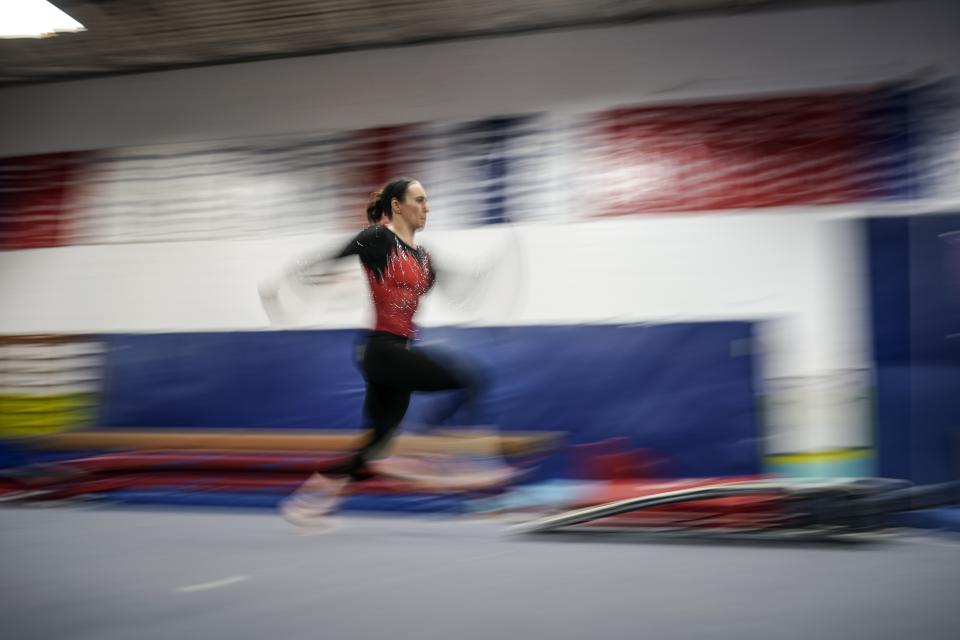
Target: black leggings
[394, 368]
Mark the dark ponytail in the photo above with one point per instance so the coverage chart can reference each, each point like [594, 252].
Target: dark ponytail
[380, 202]
[374, 212]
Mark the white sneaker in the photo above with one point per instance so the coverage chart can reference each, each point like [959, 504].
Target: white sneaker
[446, 473]
[310, 506]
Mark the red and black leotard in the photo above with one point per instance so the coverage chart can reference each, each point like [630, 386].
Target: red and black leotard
[393, 367]
[398, 275]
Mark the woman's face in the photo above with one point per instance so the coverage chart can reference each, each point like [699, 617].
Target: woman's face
[414, 207]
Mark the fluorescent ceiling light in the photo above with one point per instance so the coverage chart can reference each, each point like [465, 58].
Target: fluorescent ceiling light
[33, 19]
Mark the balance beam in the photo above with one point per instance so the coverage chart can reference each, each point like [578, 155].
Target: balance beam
[450, 442]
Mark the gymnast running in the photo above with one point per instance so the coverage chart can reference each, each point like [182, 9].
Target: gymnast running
[399, 273]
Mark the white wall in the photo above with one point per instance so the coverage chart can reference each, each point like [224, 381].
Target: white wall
[800, 269]
[665, 269]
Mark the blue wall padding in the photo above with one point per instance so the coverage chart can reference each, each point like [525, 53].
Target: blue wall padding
[12, 455]
[257, 380]
[945, 519]
[685, 391]
[915, 307]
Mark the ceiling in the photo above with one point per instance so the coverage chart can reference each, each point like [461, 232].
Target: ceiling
[135, 36]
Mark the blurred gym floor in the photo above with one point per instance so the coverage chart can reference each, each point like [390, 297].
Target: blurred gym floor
[118, 573]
